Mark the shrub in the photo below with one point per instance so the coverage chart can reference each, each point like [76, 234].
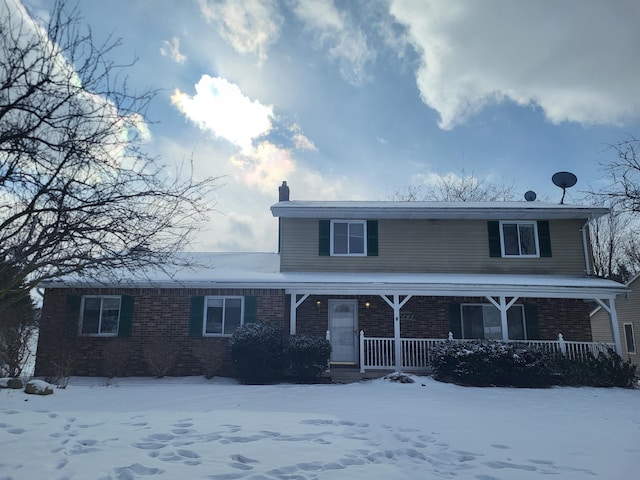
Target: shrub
[117, 354]
[308, 356]
[209, 358]
[161, 356]
[482, 363]
[258, 352]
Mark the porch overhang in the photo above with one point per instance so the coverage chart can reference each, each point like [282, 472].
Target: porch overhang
[477, 285]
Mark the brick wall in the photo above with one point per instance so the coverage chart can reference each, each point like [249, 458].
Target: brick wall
[428, 317]
[160, 322]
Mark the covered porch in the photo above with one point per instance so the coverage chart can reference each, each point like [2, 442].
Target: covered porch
[365, 317]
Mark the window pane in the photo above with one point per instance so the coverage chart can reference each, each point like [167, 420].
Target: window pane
[492, 323]
[510, 234]
[91, 316]
[214, 315]
[232, 315]
[515, 323]
[356, 238]
[628, 335]
[340, 238]
[472, 324]
[110, 315]
[527, 240]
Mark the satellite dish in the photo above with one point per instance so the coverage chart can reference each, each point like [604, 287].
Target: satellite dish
[530, 196]
[564, 180]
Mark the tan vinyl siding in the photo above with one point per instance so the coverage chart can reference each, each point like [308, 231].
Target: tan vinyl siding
[431, 246]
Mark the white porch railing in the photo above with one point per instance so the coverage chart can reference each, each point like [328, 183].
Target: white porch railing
[378, 353]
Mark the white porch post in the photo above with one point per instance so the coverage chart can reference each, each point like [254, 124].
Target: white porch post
[396, 305]
[295, 303]
[504, 307]
[610, 308]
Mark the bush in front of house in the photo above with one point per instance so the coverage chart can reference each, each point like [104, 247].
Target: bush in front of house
[308, 356]
[513, 364]
[604, 370]
[258, 352]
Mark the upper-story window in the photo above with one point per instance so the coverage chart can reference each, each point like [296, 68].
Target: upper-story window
[100, 315]
[348, 237]
[519, 239]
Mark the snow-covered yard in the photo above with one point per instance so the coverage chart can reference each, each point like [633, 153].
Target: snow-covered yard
[192, 428]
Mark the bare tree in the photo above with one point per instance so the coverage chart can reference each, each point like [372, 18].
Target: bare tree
[457, 188]
[614, 237]
[78, 192]
[623, 172]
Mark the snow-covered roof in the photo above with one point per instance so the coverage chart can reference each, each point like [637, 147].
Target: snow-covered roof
[434, 210]
[262, 270]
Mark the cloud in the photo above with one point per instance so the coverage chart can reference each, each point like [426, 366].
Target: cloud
[171, 49]
[250, 26]
[573, 59]
[265, 166]
[221, 108]
[347, 44]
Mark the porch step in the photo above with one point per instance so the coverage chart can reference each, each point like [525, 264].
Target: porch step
[351, 375]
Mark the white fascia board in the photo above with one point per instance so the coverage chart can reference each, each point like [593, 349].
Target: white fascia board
[435, 210]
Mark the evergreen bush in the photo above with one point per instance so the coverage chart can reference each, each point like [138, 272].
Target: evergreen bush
[308, 356]
[258, 352]
[489, 363]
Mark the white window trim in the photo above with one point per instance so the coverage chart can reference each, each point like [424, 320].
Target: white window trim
[224, 314]
[332, 236]
[98, 334]
[535, 234]
[633, 336]
[524, 318]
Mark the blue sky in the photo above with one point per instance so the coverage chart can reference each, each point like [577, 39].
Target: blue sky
[359, 99]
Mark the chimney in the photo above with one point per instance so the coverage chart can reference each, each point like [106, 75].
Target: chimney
[283, 192]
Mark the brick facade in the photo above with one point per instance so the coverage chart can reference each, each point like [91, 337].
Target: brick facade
[428, 317]
[160, 320]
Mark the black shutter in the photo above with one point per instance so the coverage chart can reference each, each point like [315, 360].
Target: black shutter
[531, 317]
[324, 238]
[493, 229]
[544, 236]
[250, 309]
[196, 316]
[126, 316]
[455, 320]
[372, 238]
[72, 326]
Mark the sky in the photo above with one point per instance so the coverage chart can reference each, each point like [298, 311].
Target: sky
[190, 427]
[359, 99]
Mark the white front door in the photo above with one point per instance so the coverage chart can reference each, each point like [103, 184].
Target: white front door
[344, 330]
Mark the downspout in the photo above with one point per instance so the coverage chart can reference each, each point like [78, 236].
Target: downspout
[585, 247]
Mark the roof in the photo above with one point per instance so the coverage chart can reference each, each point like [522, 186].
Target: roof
[434, 210]
[262, 270]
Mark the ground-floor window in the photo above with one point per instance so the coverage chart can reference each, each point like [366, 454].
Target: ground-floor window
[483, 321]
[629, 338]
[99, 315]
[223, 315]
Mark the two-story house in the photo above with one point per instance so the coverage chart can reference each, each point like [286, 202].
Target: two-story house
[382, 280]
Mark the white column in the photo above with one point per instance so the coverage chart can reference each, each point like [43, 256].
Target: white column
[610, 308]
[397, 305]
[504, 307]
[295, 303]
